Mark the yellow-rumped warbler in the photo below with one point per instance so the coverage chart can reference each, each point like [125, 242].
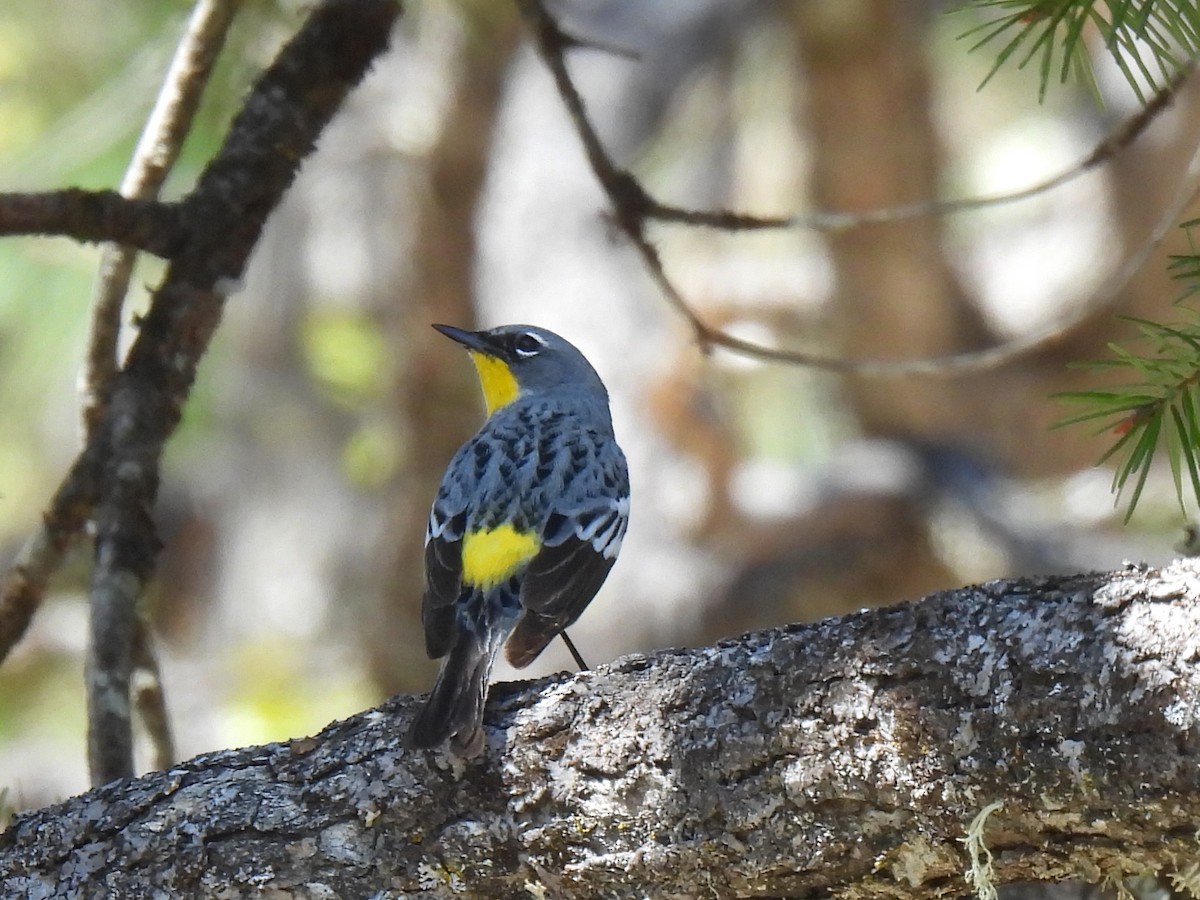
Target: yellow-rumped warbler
[526, 525]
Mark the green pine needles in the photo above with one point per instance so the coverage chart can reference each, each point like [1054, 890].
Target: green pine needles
[1152, 42]
[1149, 40]
[1159, 408]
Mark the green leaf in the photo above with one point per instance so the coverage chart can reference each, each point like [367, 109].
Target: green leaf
[1163, 389]
[1175, 455]
[1191, 436]
[1187, 400]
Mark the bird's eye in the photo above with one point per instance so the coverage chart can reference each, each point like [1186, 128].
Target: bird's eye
[527, 345]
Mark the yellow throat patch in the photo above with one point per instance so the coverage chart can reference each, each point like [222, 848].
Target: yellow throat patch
[492, 557]
[496, 378]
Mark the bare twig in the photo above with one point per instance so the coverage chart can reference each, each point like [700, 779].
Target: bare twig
[155, 154]
[149, 697]
[63, 522]
[974, 360]
[632, 206]
[1124, 134]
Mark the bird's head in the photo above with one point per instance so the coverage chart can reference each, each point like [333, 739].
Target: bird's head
[523, 360]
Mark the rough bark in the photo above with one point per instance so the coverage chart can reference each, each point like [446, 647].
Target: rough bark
[845, 757]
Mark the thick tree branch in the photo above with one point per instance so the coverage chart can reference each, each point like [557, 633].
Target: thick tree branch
[847, 757]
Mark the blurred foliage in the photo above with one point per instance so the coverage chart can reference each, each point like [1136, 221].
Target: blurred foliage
[371, 456]
[347, 355]
[268, 704]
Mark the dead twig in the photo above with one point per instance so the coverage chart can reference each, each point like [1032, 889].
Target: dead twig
[633, 207]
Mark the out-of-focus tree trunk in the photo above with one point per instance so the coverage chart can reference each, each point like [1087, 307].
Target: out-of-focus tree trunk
[435, 393]
[868, 114]
[875, 145]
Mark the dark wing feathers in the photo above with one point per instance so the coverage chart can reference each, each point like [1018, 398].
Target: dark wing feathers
[588, 482]
[579, 548]
[558, 585]
[443, 577]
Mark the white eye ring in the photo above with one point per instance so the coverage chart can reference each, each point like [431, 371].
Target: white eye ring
[526, 351]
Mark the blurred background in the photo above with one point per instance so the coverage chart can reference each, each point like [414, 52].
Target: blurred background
[451, 188]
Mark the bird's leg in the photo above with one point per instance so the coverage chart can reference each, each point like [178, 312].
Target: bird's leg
[583, 666]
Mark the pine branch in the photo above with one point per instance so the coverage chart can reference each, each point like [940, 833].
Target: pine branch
[1149, 40]
[1158, 408]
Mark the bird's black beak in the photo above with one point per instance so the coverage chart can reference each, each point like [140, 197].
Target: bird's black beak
[472, 340]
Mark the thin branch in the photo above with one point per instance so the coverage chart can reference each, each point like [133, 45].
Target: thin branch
[991, 357]
[629, 199]
[149, 697]
[632, 206]
[94, 216]
[157, 149]
[1123, 135]
[24, 584]
[276, 129]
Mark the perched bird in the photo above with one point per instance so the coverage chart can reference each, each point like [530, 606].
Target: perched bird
[525, 527]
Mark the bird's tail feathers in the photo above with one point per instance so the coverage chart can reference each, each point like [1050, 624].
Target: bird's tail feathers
[454, 708]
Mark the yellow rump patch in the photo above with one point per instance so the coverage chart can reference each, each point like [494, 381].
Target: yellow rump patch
[494, 556]
[499, 386]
